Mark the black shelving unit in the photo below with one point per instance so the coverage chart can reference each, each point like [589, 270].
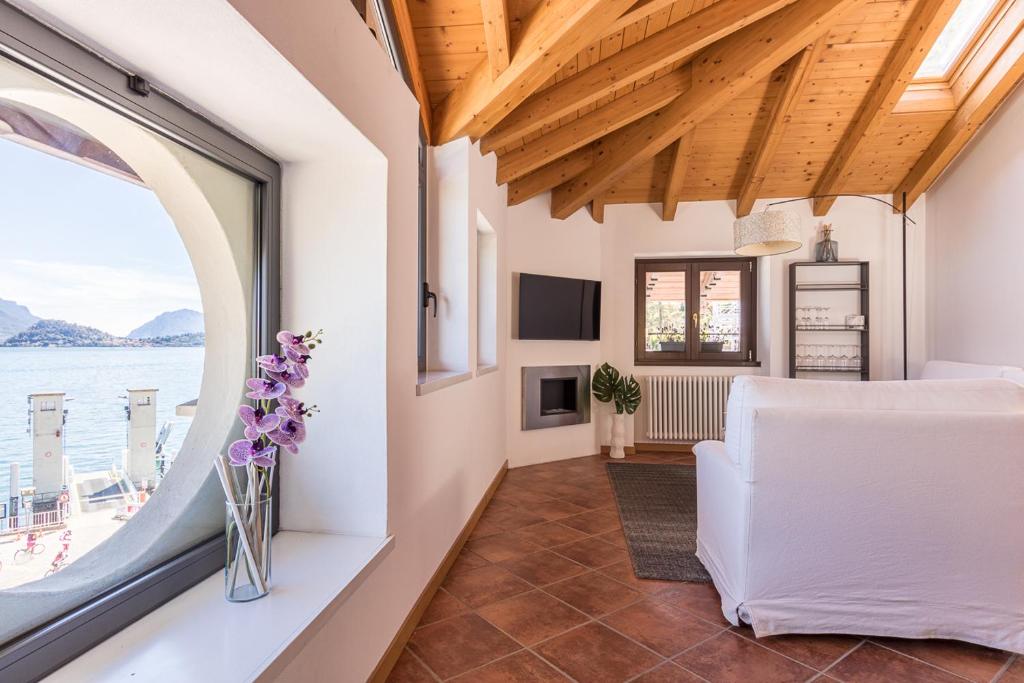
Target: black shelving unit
[805, 334]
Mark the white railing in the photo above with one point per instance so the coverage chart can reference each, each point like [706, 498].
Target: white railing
[35, 521]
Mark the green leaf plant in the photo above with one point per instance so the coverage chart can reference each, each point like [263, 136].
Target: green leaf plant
[609, 386]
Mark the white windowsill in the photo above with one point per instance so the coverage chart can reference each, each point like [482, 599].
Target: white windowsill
[435, 380]
[485, 369]
[199, 636]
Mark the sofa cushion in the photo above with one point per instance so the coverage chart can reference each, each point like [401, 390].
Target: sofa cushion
[947, 369]
[750, 392]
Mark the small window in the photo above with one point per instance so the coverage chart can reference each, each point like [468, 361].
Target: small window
[958, 34]
[696, 312]
[486, 294]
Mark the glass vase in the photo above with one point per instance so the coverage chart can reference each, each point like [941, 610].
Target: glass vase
[247, 569]
[827, 251]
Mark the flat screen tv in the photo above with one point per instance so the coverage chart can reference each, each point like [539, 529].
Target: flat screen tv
[558, 308]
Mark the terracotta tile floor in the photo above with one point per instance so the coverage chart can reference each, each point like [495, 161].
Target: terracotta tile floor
[544, 591]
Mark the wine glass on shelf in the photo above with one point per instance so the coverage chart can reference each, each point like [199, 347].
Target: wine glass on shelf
[818, 316]
[832, 362]
[844, 358]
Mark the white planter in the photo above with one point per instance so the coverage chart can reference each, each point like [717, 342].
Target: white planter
[618, 435]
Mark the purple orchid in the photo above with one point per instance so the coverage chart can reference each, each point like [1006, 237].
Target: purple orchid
[289, 434]
[295, 342]
[273, 363]
[268, 428]
[257, 421]
[290, 378]
[291, 408]
[244, 451]
[264, 389]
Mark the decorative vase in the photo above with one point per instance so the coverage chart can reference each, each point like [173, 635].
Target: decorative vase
[618, 435]
[827, 250]
[247, 570]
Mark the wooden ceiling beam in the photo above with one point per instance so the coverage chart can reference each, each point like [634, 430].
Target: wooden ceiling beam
[597, 209]
[796, 73]
[554, 33]
[496, 34]
[660, 50]
[721, 72]
[407, 42]
[676, 176]
[547, 177]
[592, 126]
[1005, 74]
[917, 39]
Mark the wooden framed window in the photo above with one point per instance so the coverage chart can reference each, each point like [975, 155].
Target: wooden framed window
[696, 311]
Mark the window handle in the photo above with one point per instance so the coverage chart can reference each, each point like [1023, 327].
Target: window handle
[427, 296]
[695, 320]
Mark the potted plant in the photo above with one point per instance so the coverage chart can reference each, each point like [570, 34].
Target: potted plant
[672, 341]
[274, 420]
[609, 386]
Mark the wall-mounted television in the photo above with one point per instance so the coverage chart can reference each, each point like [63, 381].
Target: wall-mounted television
[558, 308]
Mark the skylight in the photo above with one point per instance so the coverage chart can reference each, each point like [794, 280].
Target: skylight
[962, 27]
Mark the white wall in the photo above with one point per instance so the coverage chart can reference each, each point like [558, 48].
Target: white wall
[578, 247]
[976, 238]
[571, 248]
[439, 463]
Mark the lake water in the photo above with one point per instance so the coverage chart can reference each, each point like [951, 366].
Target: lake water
[95, 379]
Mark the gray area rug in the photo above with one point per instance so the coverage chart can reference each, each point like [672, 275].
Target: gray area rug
[658, 508]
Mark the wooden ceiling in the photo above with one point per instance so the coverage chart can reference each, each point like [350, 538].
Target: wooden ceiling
[626, 101]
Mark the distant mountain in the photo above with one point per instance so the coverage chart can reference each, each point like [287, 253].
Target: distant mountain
[193, 339]
[61, 333]
[14, 318]
[51, 333]
[170, 324]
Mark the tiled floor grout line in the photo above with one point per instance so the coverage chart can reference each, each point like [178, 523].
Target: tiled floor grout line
[918, 659]
[848, 653]
[1006, 667]
[423, 664]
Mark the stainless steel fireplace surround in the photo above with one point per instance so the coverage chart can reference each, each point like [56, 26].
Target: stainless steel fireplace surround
[554, 396]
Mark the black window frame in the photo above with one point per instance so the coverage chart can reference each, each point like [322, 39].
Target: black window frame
[693, 355]
[26, 41]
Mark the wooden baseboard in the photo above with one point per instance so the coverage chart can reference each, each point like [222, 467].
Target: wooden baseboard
[630, 450]
[394, 651]
[664, 447]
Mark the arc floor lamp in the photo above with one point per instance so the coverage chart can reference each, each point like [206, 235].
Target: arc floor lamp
[777, 232]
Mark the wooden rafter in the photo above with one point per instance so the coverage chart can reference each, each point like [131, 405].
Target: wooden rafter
[499, 47]
[592, 126]
[1005, 74]
[676, 176]
[597, 209]
[557, 172]
[796, 72]
[407, 40]
[554, 32]
[635, 62]
[722, 71]
[920, 33]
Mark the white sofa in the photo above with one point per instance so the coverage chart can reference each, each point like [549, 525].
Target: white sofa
[874, 508]
[946, 369]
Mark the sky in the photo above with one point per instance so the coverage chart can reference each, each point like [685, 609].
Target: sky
[82, 246]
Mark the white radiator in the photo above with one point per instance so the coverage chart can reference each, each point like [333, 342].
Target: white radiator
[685, 407]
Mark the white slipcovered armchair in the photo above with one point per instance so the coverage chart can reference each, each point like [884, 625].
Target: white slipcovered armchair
[874, 508]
